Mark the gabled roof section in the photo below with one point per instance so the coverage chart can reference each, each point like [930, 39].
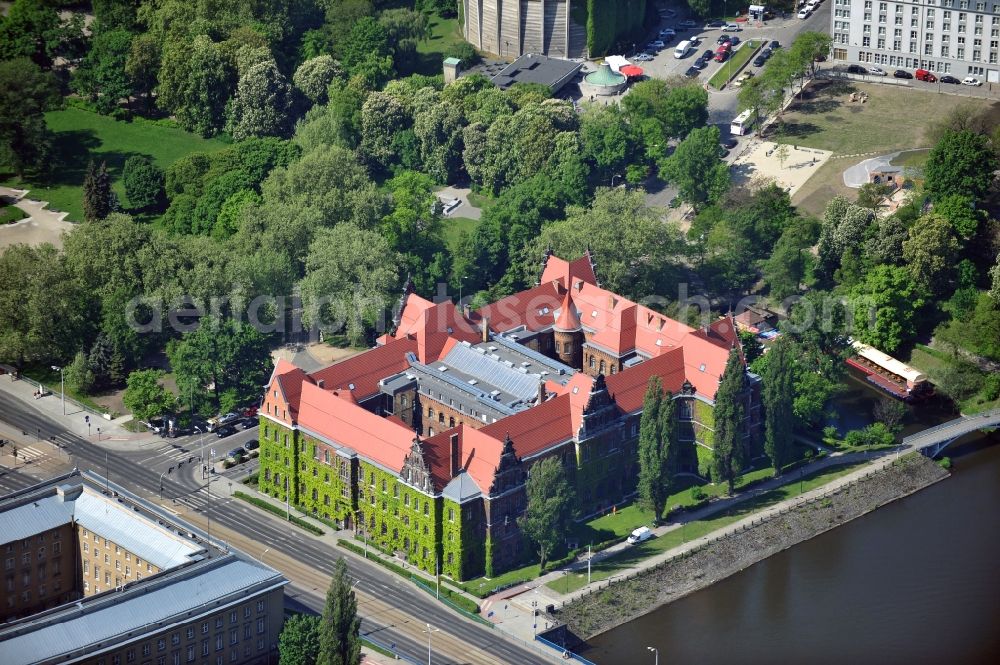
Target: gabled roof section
[381, 440]
[704, 363]
[536, 429]
[566, 272]
[281, 401]
[628, 387]
[360, 374]
[478, 458]
[433, 325]
[534, 309]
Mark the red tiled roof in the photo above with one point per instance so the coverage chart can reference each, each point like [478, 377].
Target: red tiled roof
[382, 440]
[432, 325]
[578, 391]
[286, 380]
[704, 363]
[534, 430]
[534, 308]
[478, 454]
[366, 369]
[569, 318]
[628, 387]
[567, 271]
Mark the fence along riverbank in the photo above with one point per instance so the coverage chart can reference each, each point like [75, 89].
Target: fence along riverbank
[622, 600]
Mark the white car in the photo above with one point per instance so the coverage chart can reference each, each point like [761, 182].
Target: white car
[877, 71]
[971, 80]
[641, 534]
[732, 27]
[642, 57]
[804, 13]
[667, 32]
[658, 45]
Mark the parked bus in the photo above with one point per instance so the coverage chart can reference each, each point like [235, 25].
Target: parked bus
[742, 123]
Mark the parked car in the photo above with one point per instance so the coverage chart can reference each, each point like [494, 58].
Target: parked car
[250, 411]
[658, 44]
[691, 72]
[641, 534]
[251, 445]
[902, 74]
[722, 39]
[767, 52]
[759, 61]
[950, 79]
[878, 71]
[699, 64]
[642, 57]
[804, 14]
[219, 421]
[236, 454]
[224, 431]
[734, 41]
[687, 23]
[924, 75]
[249, 423]
[721, 54]
[714, 24]
[733, 27]
[856, 69]
[156, 425]
[667, 32]
[708, 54]
[774, 45]
[729, 143]
[971, 80]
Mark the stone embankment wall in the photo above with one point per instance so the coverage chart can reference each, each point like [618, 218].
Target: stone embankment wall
[624, 600]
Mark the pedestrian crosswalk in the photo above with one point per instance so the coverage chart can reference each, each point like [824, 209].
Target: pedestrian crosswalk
[30, 454]
[172, 453]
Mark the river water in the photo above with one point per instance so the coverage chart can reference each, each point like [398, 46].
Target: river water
[917, 581]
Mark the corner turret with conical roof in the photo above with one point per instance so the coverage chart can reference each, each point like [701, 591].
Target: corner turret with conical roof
[568, 333]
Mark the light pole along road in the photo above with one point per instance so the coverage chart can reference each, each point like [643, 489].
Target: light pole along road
[478, 643]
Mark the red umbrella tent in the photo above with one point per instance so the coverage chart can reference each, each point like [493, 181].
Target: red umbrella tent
[631, 71]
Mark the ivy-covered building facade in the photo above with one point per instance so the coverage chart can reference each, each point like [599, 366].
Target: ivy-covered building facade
[422, 445]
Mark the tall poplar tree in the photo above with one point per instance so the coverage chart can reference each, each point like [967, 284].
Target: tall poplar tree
[778, 395]
[656, 429]
[728, 453]
[339, 631]
[550, 506]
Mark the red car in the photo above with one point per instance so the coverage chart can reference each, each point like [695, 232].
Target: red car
[722, 54]
[250, 412]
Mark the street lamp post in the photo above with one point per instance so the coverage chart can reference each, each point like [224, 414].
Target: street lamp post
[656, 655]
[62, 385]
[430, 631]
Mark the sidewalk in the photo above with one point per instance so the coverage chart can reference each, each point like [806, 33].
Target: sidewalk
[112, 434]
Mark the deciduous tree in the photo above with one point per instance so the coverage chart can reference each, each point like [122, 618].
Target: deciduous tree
[146, 397]
[884, 305]
[143, 182]
[299, 641]
[962, 163]
[102, 75]
[314, 76]
[695, 168]
[550, 507]
[26, 93]
[262, 103]
[931, 253]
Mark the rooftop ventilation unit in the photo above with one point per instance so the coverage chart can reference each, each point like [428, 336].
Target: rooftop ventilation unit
[473, 382]
[492, 348]
[442, 368]
[508, 363]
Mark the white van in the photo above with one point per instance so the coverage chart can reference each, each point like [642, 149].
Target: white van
[682, 49]
[639, 535]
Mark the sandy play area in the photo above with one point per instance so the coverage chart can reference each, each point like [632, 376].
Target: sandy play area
[790, 171]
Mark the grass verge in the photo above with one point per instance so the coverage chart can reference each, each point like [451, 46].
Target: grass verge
[454, 228]
[80, 135]
[11, 214]
[732, 66]
[628, 558]
[275, 510]
[456, 599]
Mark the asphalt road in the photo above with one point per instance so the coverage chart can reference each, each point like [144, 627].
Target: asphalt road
[141, 471]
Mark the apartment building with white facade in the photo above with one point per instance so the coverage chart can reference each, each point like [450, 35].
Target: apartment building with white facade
[957, 37]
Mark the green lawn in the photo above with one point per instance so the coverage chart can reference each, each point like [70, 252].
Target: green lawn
[443, 34]
[81, 135]
[729, 68]
[828, 120]
[484, 586]
[934, 363]
[629, 557]
[10, 214]
[455, 227]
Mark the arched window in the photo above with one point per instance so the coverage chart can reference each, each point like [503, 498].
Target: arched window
[603, 367]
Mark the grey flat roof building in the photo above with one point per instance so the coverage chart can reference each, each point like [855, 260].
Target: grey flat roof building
[534, 68]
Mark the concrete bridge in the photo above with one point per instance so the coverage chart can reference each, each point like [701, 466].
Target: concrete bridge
[931, 442]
